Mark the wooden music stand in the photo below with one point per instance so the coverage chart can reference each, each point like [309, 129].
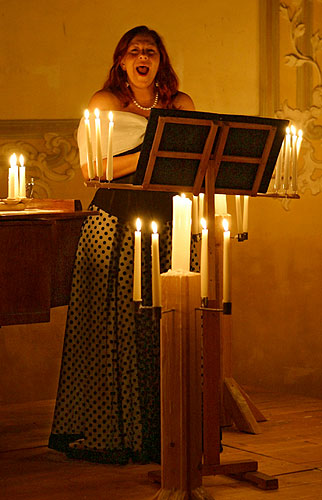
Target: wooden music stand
[205, 152]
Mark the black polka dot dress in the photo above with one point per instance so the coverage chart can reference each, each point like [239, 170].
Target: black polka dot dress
[108, 401]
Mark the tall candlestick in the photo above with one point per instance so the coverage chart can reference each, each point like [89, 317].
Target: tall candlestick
[238, 214]
[245, 214]
[195, 215]
[294, 159]
[89, 149]
[299, 142]
[220, 204]
[13, 182]
[137, 262]
[286, 179]
[226, 264]
[204, 260]
[201, 199]
[156, 278]
[22, 178]
[99, 159]
[181, 234]
[109, 161]
[11, 178]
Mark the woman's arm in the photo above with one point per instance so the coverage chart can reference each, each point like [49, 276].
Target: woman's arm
[122, 165]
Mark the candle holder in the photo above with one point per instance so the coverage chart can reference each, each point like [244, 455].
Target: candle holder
[226, 308]
[242, 236]
[156, 310]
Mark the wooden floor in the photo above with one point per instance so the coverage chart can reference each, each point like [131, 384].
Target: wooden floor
[289, 448]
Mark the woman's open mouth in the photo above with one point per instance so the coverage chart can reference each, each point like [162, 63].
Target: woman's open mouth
[142, 70]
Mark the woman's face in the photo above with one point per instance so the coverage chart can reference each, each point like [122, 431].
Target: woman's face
[141, 61]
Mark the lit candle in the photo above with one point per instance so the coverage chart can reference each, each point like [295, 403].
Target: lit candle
[109, 161]
[137, 262]
[90, 164]
[99, 160]
[287, 153]
[226, 264]
[294, 158]
[156, 279]
[245, 214]
[195, 215]
[204, 260]
[201, 198]
[11, 178]
[181, 233]
[22, 178]
[299, 142]
[238, 214]
[220, 204]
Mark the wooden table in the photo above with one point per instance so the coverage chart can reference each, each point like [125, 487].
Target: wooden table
[37, 252]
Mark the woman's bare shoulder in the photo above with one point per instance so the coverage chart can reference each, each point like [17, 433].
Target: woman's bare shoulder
[104, 100]
[183, 101]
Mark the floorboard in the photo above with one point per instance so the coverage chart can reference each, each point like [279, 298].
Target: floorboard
[289, 447]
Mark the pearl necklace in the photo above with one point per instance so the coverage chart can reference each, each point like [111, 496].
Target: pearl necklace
[147, 109]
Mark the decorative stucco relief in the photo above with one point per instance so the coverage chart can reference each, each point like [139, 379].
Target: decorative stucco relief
[52, 159]
[309, 120]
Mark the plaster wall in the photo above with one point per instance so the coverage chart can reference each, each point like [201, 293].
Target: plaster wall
[53, 57]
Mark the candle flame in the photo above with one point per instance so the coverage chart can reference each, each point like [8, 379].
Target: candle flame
[183, 195]
[203, 223]
[110, 116]
[86, 114]
[293, 130]
[97, 112]
[225, 224]
[300, 134]
[154, 227]
[21, 160]
[138, 224]
[287, 130]
[13, 160]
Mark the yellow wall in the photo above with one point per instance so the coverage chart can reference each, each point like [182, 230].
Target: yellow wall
[54, 56]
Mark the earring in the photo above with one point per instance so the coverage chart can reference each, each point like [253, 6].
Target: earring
[156, 84]
[127, 84]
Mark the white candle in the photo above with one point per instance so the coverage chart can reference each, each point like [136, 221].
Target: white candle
[99, 160]
[181, 234]
[89, 149]
[220, 204]
[13, 187]
[204, 260]
[109, 161]
[195, 215]
[245, 214]
[238, 214]
[201, 199]
[11, 178]
[156, 279]
[299, 142]
[226, 264]
[294, 159]
[137, 262]
[286, 180]
[22, 178]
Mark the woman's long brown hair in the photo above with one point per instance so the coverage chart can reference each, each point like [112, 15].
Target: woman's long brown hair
[166, 78]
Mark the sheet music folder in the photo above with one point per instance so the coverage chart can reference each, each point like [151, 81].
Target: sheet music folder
[179, 146]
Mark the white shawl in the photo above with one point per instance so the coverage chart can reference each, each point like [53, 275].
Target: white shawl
[128, 133]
